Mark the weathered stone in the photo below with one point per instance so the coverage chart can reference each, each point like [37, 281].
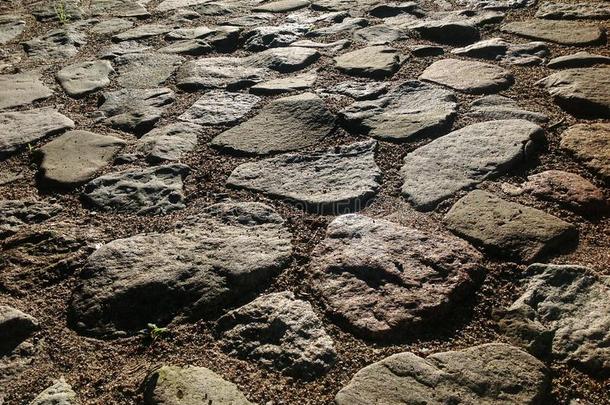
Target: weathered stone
[14, 214]
[497, 4]
[156, 190]
[85, 77]
[112, 26]
[22, 89]
[11, 26]
[281, 332]
[169, 143]
[426, 50]
[488, 109]
[266, 37]
[339, 5]
[60, 393]
[143, 70]
[468, 76]
[335, 180]
[74, 157]
[135, 110]
[571, 304]
[582, 92]
[590, 143]
[190, 385]
[15, 327]
[391, 9]
[193, 47]
[20, 128]
[142, 32]
[222, 39]
[213, 259]
[531, 53]
[488, 374]
[284, 60]
[380, 34]
[359, 90]
[573, 11]
[506, 228]
[48, 10]
[329, 48]
[561, 32]
[464, 158]
[56, 44]
[303, 81]
[118, 8]
[345, 26]
[413, 109]
[285, 124]
[375, 62]
[281, 6]
[487, 49]
[219, 72]
[578, 60]
[123, 48]
[383, 280]
[447, 32]
[218, 107]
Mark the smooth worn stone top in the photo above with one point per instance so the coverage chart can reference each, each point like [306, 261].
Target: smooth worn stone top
[22, 89]
[384, 280]
[561, 32]
[375, 62]
[281, 6]
[578, 60]
[555, 10]
[590, 143]
[506, 228]
[464, 158]
[85, 77]
[468, 76]
[489, 374]
[286, 124]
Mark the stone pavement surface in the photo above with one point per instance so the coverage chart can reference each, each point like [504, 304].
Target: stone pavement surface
[304, 202]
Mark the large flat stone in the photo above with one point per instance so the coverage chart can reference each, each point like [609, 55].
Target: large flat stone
[170, 142]
[57, 44]
[145, 70]
[22, 89]
[11, 26]
[85, 77]
[375, 62]
[590, 143]
[468, 76]
[219, 72]
[561, 32]
[218, 107]
[555, 10]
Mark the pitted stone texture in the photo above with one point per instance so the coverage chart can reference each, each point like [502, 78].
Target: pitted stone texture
[55, 45]
[335, 180]
[168, 5]
[145, 70]
[219, 38]
[561, 32]
[413, 109]
[572, 304]
[15, 327]
[590, 143]
[219, 72]
[85, 77]
[285, 124]
[170, 385]
[578, 60]
[135, 110]
[281, 332]
[169, 143]
[531, 53]
[11, 26]
[284, 60]
[47, 10]
[213, 259]
[497, 4]
[581, 92]
[380, 34]
[489, 374]
[156, 190]
[22, 89]
[506, 228]
[468, 76]
[20, 128]
[76, 156]
[464, 158]
[302, 81]
[15, 214]
[60, 393]
[488, 109]
[573, 11]
[219, 107]
[375, 62]
[383, 280]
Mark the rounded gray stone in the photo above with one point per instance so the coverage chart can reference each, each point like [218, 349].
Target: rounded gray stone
[145, 70]
[468, 76]
[85, 77]
[375, 62]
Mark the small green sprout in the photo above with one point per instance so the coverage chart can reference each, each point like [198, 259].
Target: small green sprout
[61, 12]
[156, 332]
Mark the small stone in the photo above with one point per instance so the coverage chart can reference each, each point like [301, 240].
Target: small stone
[15, 327]
[15, 214]
[142, 32]
[285, 124]
[281, 332]
[573, 11]
[219, 107]
[590, 143]
[578, 60]
[85, 77]
[58, 44]
[561, 32]
[506, 228]
[285, 84]
[22, 89]
[170, 385]
[143, 70]
[334, 180]
[11, 26]
[375, 62]
[281, 6]
[60, 393]
[359, 90]
[74, 157]
[468, 76]
[169, 143]
[488, 374]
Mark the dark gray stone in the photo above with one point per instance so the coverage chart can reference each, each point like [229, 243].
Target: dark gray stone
[142, 32]
[11, 26]
[265, 37]
[15, 327]
[284, 60]
[15, 214]
[380, 34]
[112, 26]
[359, 90]
[573, 11]
[281, 85]
[219, 72]
[345, 26]
[57, 44]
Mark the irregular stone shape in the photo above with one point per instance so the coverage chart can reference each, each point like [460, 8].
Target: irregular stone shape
[219, 107]
[285, 124]
[118, 8]
[565, 188]
[143, 70]
[413, 109]
[339, 5]
[572, 303]
[20, 128]
[142, 32]
[112, 26]
[497, 4]
[509, 229]
[11, 26]
[392, 9]
[74, 157]
[222, 39]
[15, 214]
[329, 48]
[488, 109]
[335, 180]
[22, 89]
[284, 60]
[447, 32]
[359, 90]
[155, 190]
[123, 48]
[578, 60]
[281, 6]
[15, 327]
[167, 5]
[55, 44]
[581, 92]
[193, 47]
[281, 332]
[383, 280]
[464, 158]
[213, 259]
[487, 49]
[531, 53]
[426, 50]
[60, 393]
[573, 11]
[190, 385]
[468, 76]
[266, 37]
[561, 32]
[493, 373]
[285, 84]
[135, 110]
[219, 72]
[590, 143]
[345, 26]
[49, 11]
[380, 34]
[169, 143]
[85, 77]
[375, 62]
